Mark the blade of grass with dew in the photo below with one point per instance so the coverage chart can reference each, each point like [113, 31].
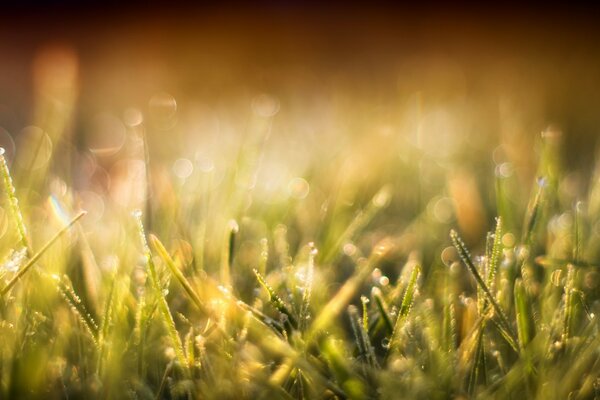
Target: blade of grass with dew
[466, 258]
[260, 316]
[382, 308]
[343, 296]
[362, 339]
[405, 307]
[577, 221]
[533, 213]
[266, 321]
[31, 262]
[479, 367]
[105, 324]
[290, 320]
[162, 301]
[68, 293]
[525, 326]
[188, 347]
[494, 256]
[162, 252]
[15, 210]
[569, 303]
[304, 315]
[449, 328]
[364, 300]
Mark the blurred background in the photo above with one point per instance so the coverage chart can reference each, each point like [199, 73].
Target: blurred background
[280, 109]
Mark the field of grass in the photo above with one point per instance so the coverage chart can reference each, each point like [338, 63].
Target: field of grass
[375, 266]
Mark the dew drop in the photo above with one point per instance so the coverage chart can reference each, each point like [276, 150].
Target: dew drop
[508, 240]
[7, 144]
[376, 274]
[383, 197]
[137, 213]
[106, 136]
[449, 255]
[298, 188]
[542, 181]
[183, 168]
[349, 249]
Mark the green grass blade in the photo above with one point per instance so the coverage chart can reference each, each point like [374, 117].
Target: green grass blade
[525, 327]
[15, 209]
[304, 315]
[162, 301]
[68, 293]
[277, 301]
[365, 348]
[162, 252]
[466, 258]
[405, 307]
[31, 262]
[383, 310]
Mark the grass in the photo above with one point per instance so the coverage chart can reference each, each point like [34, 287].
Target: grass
[204, 308]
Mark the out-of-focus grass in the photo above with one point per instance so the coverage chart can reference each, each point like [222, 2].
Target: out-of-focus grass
[272, 265]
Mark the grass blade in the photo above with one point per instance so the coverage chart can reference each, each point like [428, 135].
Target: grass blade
[277, 302]
[361, 336]
[405, 307]
[68, 293]
[15, 210]
[162, 252]
[466, 258]
[162, 301]
[37, 255]
[304, 315]
[525, 327]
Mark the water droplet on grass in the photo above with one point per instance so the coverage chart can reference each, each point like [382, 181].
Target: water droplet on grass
[183, 168]
[298, 188]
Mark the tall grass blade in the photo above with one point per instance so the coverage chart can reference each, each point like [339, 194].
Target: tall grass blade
[304, 315]
[361, 337]
[407, 301]
[162, 301]
[66, 290]
[525, 327]
[382, 308]
[466, 258]
[277, 301]
[15, 210]
[31, 262]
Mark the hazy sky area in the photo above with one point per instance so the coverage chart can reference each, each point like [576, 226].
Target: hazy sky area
[538, 65]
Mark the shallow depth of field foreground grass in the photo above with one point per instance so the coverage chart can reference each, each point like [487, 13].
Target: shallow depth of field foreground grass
[368, 277]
